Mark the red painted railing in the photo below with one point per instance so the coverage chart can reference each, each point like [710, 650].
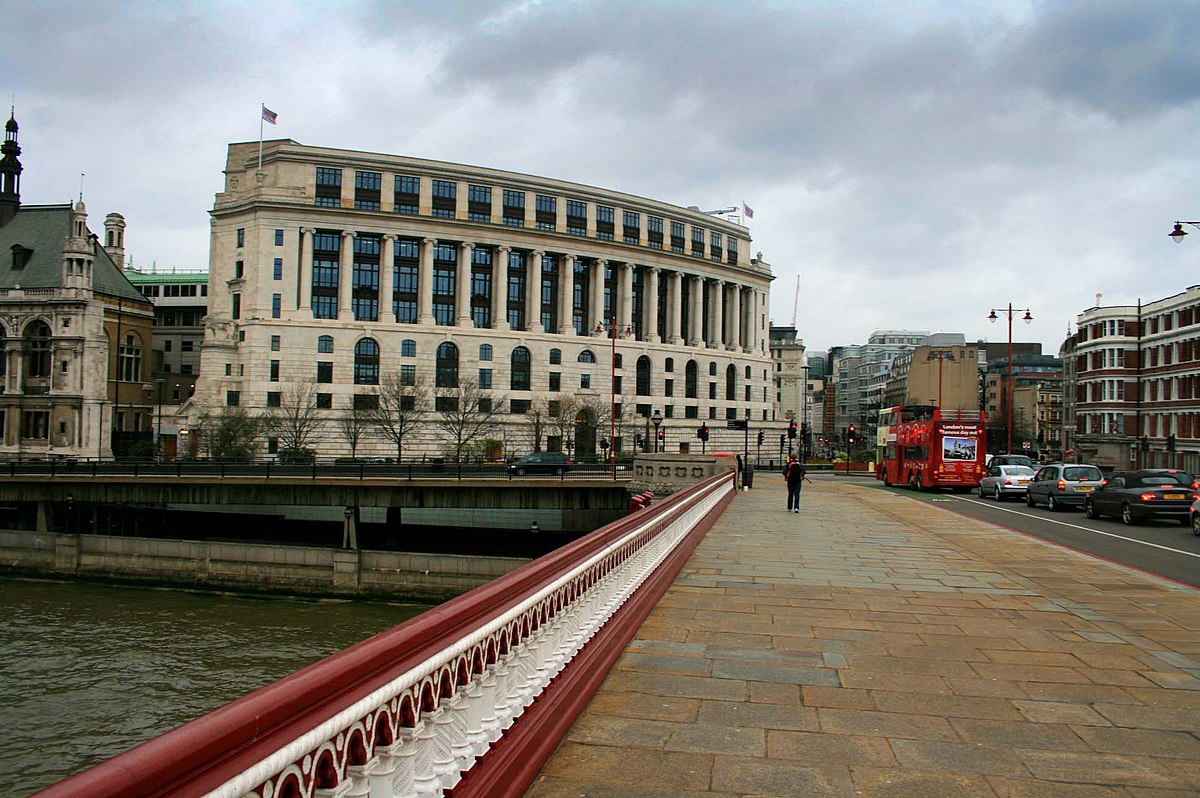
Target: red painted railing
[472, 695]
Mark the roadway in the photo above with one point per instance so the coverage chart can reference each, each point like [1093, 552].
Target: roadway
[1163, 548]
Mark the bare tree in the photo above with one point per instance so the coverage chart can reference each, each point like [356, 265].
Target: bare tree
[355, 425]
[465, 414]
[401, 408]
[561, 417]
[230, 433]
[297, 422]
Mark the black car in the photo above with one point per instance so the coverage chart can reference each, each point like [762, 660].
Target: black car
[1135, 496]
[540, 463]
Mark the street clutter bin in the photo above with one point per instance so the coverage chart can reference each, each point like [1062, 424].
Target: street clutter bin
[748, 476]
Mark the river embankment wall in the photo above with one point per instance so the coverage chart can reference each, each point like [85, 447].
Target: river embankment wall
[248, 567]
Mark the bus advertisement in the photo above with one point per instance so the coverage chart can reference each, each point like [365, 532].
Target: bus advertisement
[924, 447]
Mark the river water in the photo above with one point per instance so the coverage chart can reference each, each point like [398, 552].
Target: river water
[87, 671]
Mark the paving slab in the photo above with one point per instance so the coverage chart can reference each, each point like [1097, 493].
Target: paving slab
[875, 645]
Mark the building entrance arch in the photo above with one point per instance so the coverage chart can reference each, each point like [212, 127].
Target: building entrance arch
[585, 436]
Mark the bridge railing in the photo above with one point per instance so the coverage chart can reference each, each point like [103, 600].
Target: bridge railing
[471, 696]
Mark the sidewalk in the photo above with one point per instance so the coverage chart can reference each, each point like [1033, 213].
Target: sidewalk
[879, 646]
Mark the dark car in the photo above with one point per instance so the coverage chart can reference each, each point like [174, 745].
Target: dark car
[1135, 496]
[540, 463]
[1196, 517]
[1060, 485]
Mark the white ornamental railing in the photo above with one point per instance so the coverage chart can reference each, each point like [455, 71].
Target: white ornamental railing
[471, 696]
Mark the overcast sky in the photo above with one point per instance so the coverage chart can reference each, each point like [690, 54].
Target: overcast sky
[912, 164]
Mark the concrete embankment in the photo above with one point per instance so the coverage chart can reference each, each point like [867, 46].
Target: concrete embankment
[248, 567]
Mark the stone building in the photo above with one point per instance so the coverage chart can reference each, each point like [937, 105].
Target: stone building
[337, 269]
[76, 333]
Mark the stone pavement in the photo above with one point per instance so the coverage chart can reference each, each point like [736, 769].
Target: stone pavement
[875, 645]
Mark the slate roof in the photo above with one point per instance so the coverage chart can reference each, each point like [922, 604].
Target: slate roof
[43, 228]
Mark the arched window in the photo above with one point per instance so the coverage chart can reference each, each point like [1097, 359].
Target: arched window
[555, 357]
[747, 372]
[366, 362]
[712, 369]
[520, 369]
[643, 376]
[669, 365]
[408, 348]
[586, 356]
[691, 378]
[731, 383]
[447, 366]
[37, 351]
[485, 351]
[325, 344]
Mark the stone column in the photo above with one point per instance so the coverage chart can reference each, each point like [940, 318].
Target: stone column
[387, 279]
[735, 316]
[306, 271]
[626, 284]
[500, 288]
[675, 308]
[346, 276]
[596, 305]
[566, 294]
[696, 334]
[533, 292]
[425, 282]
[716, 322]
[462, 284]
[650, 297]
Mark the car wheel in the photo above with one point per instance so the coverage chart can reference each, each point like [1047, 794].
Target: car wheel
[1127, 515]
[1052, 505]
[997, 495]
[1090, 511]
[1196, 523]
[520, 472]
[1029, 502]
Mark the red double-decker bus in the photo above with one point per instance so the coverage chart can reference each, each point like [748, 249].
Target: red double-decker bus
[926, 447]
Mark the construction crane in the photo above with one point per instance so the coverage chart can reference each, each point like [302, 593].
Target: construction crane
[796, 301]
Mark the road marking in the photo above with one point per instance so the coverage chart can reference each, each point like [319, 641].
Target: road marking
[1081, 528]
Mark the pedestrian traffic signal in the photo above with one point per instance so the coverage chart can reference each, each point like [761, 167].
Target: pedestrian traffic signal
[702, 433]
[662, 434]
[761, 436]
[792, 428]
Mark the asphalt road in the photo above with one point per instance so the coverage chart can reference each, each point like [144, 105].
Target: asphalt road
[1159, 547]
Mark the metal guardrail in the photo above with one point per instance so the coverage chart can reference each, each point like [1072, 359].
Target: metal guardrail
[502, 671]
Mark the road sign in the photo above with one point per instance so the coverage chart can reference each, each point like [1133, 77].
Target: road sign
[789, 414]
[736, 423]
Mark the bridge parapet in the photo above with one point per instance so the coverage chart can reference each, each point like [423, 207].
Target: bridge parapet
[502, 671]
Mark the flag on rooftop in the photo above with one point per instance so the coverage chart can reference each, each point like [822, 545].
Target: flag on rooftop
[268, 115]
[747, 211]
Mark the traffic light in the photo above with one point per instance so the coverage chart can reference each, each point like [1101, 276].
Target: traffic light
[782, 441]
[761, 436]
[702, 433]
[851, 434]
[637, 440]
[1171, 442]
[792, 428]
[662, 435]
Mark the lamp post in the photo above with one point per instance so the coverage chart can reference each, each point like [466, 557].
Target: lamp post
[656, 420]
[158, 422]
[1178, 233]
[1010, 310]
[610, 326]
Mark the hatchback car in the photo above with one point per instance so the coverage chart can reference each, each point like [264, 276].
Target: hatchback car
[1060, 485]
[1135, 496]
[540, 463]
[1005, 481]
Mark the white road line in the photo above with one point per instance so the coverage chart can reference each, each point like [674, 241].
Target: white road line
[1077, 526]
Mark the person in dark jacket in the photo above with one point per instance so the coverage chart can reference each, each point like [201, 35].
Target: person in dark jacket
[794, 473]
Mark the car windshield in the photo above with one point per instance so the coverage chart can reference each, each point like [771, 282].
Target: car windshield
[1081, 472]
[1016, 469]
[1162, 479]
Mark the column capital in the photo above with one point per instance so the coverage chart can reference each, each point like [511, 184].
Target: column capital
[466, 244]
[309, 231]
[601, 262]
[503, 248]
[349, 234]
[390, 237]
[429, 241]
[537, 253]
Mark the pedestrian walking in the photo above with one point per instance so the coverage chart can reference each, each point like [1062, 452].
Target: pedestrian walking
[794, 473]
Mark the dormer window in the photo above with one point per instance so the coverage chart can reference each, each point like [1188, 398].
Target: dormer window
[20, 256]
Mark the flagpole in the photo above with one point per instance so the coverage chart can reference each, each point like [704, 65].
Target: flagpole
[260, 136]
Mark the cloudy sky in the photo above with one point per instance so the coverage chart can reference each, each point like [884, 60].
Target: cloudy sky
[912, 164]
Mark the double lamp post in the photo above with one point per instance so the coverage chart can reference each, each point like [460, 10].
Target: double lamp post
[992, 317]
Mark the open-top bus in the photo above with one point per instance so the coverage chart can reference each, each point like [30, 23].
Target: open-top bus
[925, 447]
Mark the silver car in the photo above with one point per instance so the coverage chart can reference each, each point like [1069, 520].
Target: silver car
[1005, 481]
[1060, 485]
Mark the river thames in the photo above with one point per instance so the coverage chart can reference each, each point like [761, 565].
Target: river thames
[87, 671]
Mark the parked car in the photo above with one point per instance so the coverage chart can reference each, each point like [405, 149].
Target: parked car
[1060, 485]
[1195, 517]
[1005, 481]
[540, 463]
[1135, 496]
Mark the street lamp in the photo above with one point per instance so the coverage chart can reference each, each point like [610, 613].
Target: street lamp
[940, 355]
[158, 419]
[1009, 311]
[1178, 233]
[610, 325]
[656, 419]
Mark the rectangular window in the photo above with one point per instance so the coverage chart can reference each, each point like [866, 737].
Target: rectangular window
[274, 371]
[731, 254]
[445, 198]
[329, 187]
[277, 274]
[631, 227]
[555, 381]
[274, 343]
[716, 251]
[514, 208]
[605, 222]
[35, 424]
[241, 236]
[325, 371]
[669, 388]
[577, 217]
[236, 311]
[186, 346]
[479, 203]
[485, 378]
[276, 306]
[518, 406]
[408, 375]
[654, 232]
[273, 398]
[698, 241]
[547, 212]
[407, 195]
[324, 401]
[585, 380]
[232, 398]
[678, 242]
[279, 238]
[367, 187]
[239, 271]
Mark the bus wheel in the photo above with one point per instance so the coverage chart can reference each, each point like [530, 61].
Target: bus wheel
[914, 482]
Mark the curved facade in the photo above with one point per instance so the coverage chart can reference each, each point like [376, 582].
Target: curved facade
[341, 269]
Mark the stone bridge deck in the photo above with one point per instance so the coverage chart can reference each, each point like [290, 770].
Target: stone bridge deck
[877, 646]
